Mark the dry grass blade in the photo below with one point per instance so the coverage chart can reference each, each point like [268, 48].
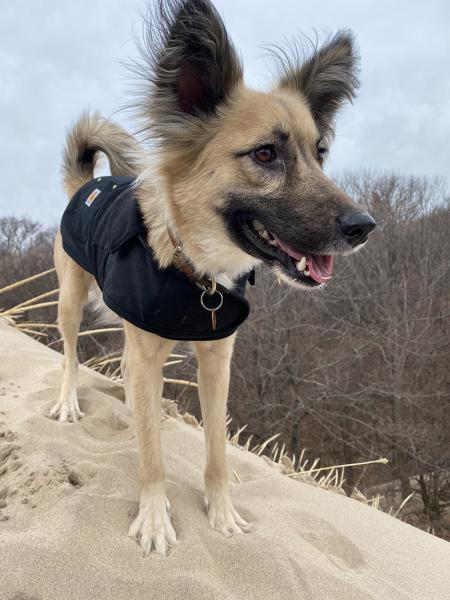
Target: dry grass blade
[17, 310]
[181, 382]
[106, 361]
[102, 330]
[92, 332]
[382, 461]
[334, 479]
[99, 362]
[260, 448]
[31, 300]
[27, 324]
[247, 443]
[115, 373]
[17, 284]
[172, 362]
[402, 505]
[274, 453]
[303, 463]
[375, 502]
[96, 361]
[32, 332]
[234, 439]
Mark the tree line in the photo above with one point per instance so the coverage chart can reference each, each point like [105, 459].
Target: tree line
[358, 371]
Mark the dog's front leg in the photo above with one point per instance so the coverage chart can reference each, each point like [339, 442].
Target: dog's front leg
[214, 360]
[146, 354]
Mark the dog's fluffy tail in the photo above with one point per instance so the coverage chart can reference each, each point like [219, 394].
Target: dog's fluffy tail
[92, 134]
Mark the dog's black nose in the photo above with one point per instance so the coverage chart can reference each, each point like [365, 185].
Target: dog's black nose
[356, 226]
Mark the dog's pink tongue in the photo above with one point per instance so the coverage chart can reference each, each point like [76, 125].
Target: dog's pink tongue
[320, 266]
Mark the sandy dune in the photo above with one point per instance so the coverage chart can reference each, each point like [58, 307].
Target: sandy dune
[69, 492]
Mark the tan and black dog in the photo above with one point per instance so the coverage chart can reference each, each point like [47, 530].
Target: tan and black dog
[234, 180]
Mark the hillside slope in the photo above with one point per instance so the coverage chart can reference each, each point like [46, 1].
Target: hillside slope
[68, 493]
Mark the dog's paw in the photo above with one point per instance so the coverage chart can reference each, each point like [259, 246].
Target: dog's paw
[152, 528]
[222, 515]
[66, 410]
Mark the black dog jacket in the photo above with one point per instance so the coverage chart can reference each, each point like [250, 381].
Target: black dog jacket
[103, 231]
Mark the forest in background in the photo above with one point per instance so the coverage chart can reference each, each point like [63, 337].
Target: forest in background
[354, 373]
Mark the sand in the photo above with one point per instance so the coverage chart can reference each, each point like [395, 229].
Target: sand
[68, 493]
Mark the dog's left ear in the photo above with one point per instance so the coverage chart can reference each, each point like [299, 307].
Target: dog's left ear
[327, 79]
[191, 65]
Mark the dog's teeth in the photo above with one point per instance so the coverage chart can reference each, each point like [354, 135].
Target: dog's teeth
[301, 265]
[258, 226]
[273, 242]
[265, 234]
[306, 273]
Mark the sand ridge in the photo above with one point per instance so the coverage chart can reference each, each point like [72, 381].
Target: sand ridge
[68, 493]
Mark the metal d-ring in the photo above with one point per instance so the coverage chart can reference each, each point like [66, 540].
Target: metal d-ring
[202, 302]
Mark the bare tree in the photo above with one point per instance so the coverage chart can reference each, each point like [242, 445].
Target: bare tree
[355, 373]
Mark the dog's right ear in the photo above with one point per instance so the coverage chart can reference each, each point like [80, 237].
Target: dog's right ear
[190, 63]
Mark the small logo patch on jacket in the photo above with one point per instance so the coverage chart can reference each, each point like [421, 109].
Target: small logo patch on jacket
[92, 196]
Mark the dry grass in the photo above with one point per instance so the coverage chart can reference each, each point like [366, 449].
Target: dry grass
[14, 315]
[302, 469]
[299, 468]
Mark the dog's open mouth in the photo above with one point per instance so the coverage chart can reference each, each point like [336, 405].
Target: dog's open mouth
[307, 268]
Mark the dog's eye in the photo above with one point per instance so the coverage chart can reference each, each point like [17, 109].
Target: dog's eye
[322, 151]
[266, 154]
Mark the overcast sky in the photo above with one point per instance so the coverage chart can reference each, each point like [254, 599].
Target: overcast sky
[59, 57]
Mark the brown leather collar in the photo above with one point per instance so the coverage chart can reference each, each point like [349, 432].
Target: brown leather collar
[184, 264]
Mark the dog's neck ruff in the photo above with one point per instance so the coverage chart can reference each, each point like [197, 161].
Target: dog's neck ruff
[103, 231]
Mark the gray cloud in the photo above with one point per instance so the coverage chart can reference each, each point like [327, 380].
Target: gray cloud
[57, 58]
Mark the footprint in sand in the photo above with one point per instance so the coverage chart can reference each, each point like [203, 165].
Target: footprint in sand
[8, 452]
[330, 541]
[9, 463]
[107, 425]
[75, 478]
[23, 596]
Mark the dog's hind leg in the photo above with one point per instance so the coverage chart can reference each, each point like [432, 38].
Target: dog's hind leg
[214, 360]
[74, 285]
[146, 354]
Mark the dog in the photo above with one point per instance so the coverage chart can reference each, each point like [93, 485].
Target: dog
[234, 179]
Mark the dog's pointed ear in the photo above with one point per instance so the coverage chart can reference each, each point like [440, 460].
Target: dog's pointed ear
[326, 79]
[191, 64]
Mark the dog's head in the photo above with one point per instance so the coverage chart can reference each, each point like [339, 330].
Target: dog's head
[241, 170]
